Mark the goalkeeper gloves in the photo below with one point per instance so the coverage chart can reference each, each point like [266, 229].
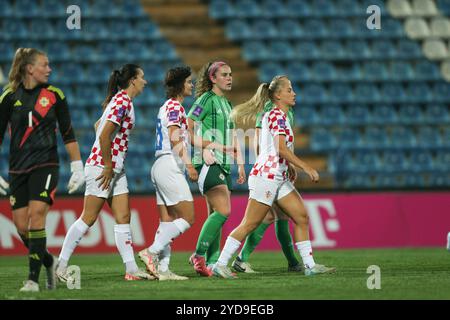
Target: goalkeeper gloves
[77, 179]
[3, 186]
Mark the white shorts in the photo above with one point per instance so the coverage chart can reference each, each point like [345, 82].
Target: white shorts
[267, 191]
[170, 182]
[118, 185]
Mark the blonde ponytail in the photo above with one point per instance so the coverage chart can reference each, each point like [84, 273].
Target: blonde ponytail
[22, 58]
[244, 114]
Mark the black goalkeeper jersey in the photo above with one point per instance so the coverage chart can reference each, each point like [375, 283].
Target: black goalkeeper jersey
[33, 116]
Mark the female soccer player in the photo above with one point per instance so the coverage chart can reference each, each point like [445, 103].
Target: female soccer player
[269, 183]
[33, 108]
[173, 197]
[248, 113]
[210, 126]
[105, 174]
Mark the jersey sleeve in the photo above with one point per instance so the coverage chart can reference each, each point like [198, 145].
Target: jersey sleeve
[6, 105]
[119, 110]
[64, 121]
[174, 115]
[277, 123]
[198, 112]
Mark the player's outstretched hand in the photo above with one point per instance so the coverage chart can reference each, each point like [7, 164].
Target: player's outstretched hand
[192, 173]
[4, 186]
[312, 173]
[77, 179]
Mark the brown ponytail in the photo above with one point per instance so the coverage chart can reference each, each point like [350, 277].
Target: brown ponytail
[22, 58]
[120, 79]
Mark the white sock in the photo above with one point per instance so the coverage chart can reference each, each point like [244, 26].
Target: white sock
[305, 250]
[124, 243]
[71, 241]
[164, 259]
[167, 232]
[229, 249]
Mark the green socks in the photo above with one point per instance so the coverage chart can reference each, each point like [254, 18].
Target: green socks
[210, 231]
[213, 253]
[285, 240]
[252, 241]
[37, 241]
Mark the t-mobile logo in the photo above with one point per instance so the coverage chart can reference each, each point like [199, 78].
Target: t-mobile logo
[319, 226]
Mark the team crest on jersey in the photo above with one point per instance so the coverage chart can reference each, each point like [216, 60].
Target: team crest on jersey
[268, 194]
[44, 102]
[173, 115]
[197, 111]
[222, 177]
[12, 200]
[282, 123]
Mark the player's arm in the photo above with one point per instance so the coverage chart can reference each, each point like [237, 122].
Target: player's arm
[105, 146]
[178, 147]
[68, 135]
[286, 153]
[6, 106]
[256, 140]
[240, 161]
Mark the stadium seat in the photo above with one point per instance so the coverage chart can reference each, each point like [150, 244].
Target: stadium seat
[298, 8]
[133, 9]
[53, 9]
[7, 10]
[14, 29]
[401, 71]
[238, 30]
[366, 162]
[98, 73]
[418, 92]
[221, 9]
[441, 92]
[436, 113]
[146, 30]
[394, 162]
[358, 49]
[306, 50]
[366, 92]
[401, 138]
[408, 49]
[342, 28]
[26, 9]
[420, 161]
[435, 49]
[6, 51]
[322, 140]
[273, 9]
[314, 93]
[439, 180]
[375, 71]
[399, 8]
[332, 50]
[247, 9]
[120, 30]
[163, 51]
[281, 51]
[375, 137]
[383, 49]
[410, 114]
[440, 27]
[254, 51]
[331, 115]
[315, 28]
[444, 6]
[426, 70]
[358, 115]
[387, 181]
[349, 138]
[322, 8]
[289, 29]
[269, 69]
[424, 8]
[442, 161]
[341, 93]
[108, 51]
[359, 181]
[417, 28]
[306, 115]
[323, 71]
[392, 92]
[264, 30]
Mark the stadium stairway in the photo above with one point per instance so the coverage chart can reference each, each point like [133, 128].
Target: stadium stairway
[198, 38]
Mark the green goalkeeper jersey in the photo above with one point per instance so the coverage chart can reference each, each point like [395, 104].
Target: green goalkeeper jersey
[267, 107]
[213, 112]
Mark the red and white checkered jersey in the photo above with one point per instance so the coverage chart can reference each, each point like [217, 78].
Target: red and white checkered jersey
[172, 113]
[119, 111]
[269, 164]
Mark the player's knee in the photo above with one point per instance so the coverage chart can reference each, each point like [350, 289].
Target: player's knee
[89, 219]
[123, 219]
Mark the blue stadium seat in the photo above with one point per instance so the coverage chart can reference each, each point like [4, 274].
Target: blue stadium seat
[289, 29]
[89, 96]
[427, 70]
[358, 49]
[444, 6]
[315, 28]
[402, 137]
[413, 180]
[384, 114]
[438, 179]
[349, 138]
[133, 9]
[7, 10]
[146, 30]
[332, 49]
[375, 71]
[392, 28]
[421, 161]
[68, 74]
[98, 73]
[95, 29]
[154, 72]
[322, 140]
[138, 51]
[442, 161]
[26, 9]
[366, 93]
[53, 9]
[340, 92]
[14, 29]
[41, 30]
[6, 51]
[358, 115]
[347, 8]
[57, 51]
[280, 50]
[254, 51]
[342, 28]
[428, 137]
[392, 92]
[268, 70]
[436, 113]
[121, 30]
[323, 8]
[394, 162]
[273, 9]
[387, 181]
[419, 92]
[331, 115]
[102, 9]
[264, 30]
[86, 53]
[247, 9]
[314, 93]
[163, 51]
[376, 137]
[410, 114]
[80, 118]
[348, 72]
[323, 71]
[383, 49]
[306, 50]
[221, 9]
[298, 72]
[108, 51]
[298, 8]
[306, 115]
[441, 92]
[408, 49]
[401, 71]
[366, 162]
[358, 180]
[446, 137]
[238, 30]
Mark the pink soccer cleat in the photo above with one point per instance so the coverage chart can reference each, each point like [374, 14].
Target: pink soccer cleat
[199, 264]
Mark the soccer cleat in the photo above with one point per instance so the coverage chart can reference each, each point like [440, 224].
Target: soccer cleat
[51, 275]
[61, 273]
[200, 265]
[242, 266]
[151, 262]
[169, 275]
[297, 268]
[139, 275]
[30, 286]
[223, 272]
[319, 269]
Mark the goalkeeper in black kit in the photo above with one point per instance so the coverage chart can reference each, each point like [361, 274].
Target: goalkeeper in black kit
[33, 109]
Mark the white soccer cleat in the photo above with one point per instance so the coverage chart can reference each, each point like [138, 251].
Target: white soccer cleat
[319, 269]
[51, 275]
[169, 275]
[223, 272]
[241, 266]
[139, 275]
[30, 286]
[61, 273]
[151, 262]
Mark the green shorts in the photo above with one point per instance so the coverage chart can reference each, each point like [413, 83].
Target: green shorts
[211, 176]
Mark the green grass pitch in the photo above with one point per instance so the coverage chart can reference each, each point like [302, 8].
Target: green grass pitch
[405, 274]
